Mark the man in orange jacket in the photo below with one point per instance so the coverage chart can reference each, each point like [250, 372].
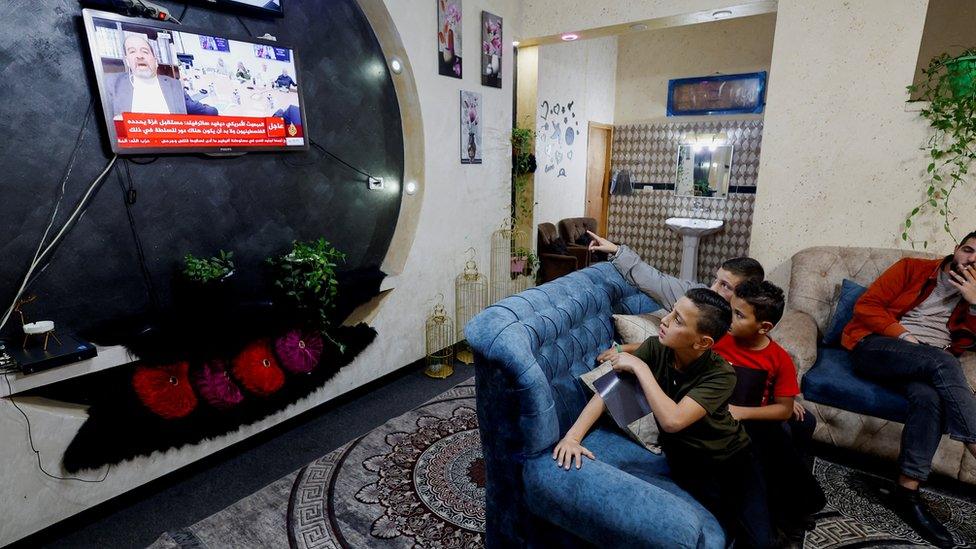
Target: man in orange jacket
[908, 330]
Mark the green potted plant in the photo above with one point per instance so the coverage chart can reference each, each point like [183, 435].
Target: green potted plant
[305, 282]
[208, 270]
[523, 165]
[949, 86]
[204, 282]
[524, 262]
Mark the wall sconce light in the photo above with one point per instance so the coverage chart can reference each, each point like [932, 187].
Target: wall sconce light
[396, 65]
[711, 141]
[515, 43]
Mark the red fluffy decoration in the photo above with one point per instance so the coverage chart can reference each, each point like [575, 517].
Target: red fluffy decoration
[165, 390]
[257, 369]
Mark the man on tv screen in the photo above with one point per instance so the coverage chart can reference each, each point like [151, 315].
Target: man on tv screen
[285, 80]
[140, 89]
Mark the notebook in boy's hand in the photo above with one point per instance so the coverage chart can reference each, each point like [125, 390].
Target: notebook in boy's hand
[623, 397]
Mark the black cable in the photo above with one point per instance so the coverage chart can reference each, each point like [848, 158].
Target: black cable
[74, 155]
[129, 198]
[30, 438]
[341, 161]
[241, 21]
[186, 8]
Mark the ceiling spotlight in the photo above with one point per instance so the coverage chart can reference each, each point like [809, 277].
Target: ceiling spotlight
[396, 65]
[515, 43]
[411, 187]
[569, 37]
[721, 14]
[638, 27]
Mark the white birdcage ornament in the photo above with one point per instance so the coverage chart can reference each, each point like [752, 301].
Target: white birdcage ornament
[439, 332]
[470, 297]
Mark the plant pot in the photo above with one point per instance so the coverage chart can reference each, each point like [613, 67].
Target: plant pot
[518, 265]
[962, 76]
[204, 296]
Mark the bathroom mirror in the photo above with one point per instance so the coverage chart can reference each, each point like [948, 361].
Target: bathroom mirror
[703, 170]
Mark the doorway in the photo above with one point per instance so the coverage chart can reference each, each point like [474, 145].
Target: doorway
[598, 146]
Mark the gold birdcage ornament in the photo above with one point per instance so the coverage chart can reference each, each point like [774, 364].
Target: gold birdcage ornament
[510, 261]
[439, 330]
[470, 297]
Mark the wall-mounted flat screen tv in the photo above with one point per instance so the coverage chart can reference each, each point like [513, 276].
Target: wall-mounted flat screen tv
[251, 7]
[168, 89]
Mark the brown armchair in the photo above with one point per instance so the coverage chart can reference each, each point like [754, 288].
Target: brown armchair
[573, 231]
[554, 262]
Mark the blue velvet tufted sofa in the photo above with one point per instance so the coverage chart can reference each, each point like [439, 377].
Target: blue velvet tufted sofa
[530, 350]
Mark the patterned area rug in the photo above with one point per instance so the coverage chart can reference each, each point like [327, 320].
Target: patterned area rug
[419, 481]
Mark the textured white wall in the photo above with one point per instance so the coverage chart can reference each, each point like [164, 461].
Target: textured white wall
[462, 205]
[841, 163]
[647, 60]
[582, 73]
[545, 17]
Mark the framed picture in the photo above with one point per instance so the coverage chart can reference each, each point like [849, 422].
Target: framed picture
[491, 50]
[449, 37]
[470, 127]
[721, 94]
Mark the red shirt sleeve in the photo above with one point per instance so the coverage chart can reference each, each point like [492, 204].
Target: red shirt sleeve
[784, 383]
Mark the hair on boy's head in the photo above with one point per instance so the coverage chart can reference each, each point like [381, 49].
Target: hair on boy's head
[967, 237]
[765, 297]
[745, 267]
[714, 313]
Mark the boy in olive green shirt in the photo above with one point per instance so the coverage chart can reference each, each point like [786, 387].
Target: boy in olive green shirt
[688, 387]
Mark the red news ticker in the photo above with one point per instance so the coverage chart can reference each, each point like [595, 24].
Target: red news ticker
[186, 130]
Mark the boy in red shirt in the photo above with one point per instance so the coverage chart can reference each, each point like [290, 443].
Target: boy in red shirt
[763, 401]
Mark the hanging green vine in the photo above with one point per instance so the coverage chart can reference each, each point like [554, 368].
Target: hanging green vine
[949, 85]
[523, 165]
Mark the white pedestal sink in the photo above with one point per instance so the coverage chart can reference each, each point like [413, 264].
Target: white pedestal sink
[691, 231]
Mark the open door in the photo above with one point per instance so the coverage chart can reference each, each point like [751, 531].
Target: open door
[598, 145]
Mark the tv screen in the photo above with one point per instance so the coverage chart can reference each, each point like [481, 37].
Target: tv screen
[168, 89]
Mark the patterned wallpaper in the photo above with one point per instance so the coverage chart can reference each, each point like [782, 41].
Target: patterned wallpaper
[649, 151]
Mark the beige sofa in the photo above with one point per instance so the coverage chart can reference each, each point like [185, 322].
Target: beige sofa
[815, 278]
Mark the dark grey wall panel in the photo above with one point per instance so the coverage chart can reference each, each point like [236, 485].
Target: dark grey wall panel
[254, 205]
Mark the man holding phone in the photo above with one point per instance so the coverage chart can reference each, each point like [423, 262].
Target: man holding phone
[908, 331]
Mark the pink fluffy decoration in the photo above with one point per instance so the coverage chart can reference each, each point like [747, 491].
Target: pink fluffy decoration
[299, 352]
[215, 386]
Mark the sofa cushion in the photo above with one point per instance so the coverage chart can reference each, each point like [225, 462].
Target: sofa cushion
[623, 499]
[832, 381]
[636, 328]
[850, 292]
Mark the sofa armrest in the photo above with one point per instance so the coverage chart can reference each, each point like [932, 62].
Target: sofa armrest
[797, 333]
[581, 253]
[554, 266]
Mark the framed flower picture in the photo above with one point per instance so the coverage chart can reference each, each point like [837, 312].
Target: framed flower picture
[470, 127]
[491, 50]
[449, 37]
